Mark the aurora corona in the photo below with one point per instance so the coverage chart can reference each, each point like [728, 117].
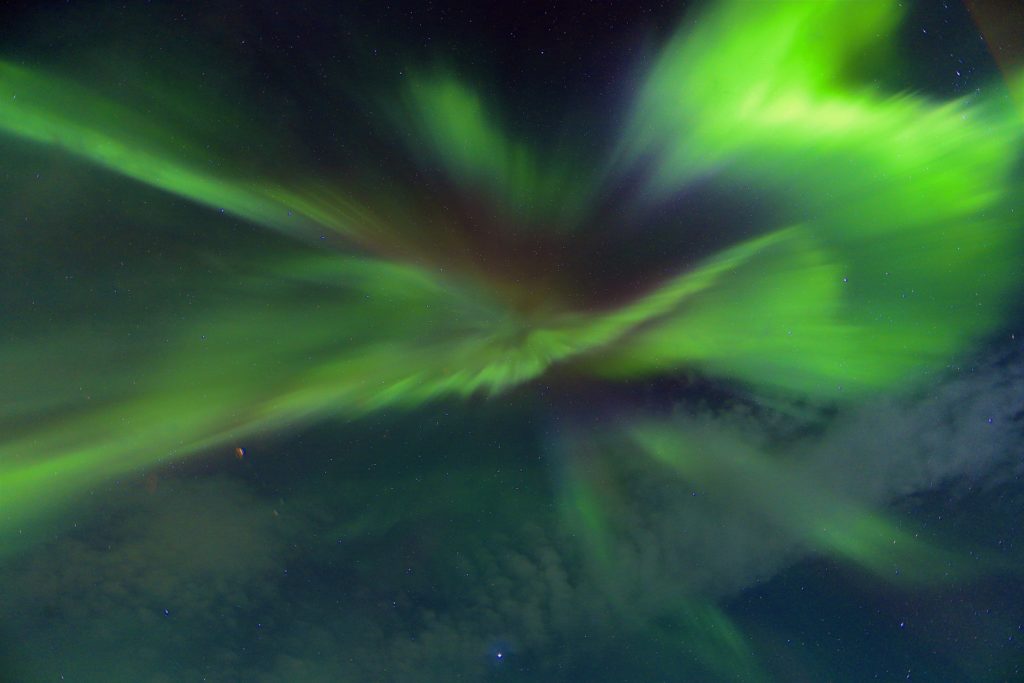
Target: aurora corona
[887, 246]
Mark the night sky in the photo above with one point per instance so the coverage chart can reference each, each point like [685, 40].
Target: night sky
[638, 341]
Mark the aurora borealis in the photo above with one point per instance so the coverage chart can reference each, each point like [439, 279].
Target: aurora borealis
[523, 371]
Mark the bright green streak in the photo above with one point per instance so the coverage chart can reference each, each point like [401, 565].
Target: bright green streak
[55, 112]
[382, 335]
[909, 201]
[52, 111]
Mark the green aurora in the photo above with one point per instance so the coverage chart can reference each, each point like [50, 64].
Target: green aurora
[893, 248]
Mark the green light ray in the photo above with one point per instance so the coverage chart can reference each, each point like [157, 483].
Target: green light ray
[455, 127]
[51, 111]
[54, 112]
